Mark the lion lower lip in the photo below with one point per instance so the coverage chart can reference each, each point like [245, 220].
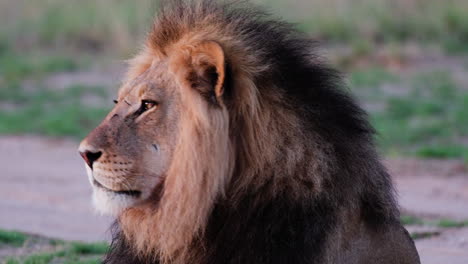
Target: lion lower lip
[127, 192]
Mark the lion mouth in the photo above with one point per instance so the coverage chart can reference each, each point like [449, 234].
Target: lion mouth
[133, 193]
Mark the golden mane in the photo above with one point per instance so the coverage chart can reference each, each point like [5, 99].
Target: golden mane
[205, 154]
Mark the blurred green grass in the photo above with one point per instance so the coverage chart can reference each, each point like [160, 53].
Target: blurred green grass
[442, 223]
[364, 22]
[437, 224]
[53, 113]
[427, 120]
[12, 237]
[47, 251]
[426, 117]
[109, 25]
[14, 66]
[86, 26]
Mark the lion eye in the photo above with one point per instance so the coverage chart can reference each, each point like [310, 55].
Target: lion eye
[147, 105]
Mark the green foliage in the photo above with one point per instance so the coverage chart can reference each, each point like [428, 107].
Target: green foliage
[88, 25]
[456, 21]
[67, 256]
[451, 223]
[443, 223]
[83, 25]
[442, 151]
[411, 220]
[58, 252]
[42, 258]
[12, 261]
[54, 113]
[95, 260]
[427, 122]
[12, 238]
[378, 21]
[421, 235]
[372, 77]
[89, 248]
[14, 66]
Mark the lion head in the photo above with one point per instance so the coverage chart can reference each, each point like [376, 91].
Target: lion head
[163, 115]
[165, 146]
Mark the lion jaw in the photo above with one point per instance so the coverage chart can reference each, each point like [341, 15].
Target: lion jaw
[107, 202]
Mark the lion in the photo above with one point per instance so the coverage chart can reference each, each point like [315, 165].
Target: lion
[231, 141]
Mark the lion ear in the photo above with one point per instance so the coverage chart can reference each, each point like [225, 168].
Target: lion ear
[206, 69]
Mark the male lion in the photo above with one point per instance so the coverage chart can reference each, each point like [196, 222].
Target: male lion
[231, 143]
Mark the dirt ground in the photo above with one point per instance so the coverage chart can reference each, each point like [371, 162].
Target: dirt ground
[435, 189]
[44, 190]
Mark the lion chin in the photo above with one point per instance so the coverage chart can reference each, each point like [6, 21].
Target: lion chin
[107, 202]
[112, 204]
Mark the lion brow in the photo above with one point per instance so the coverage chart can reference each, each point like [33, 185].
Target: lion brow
[137, 80]
[132, 84]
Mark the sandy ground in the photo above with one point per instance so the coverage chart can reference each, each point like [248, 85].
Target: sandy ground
[435, 189]
[44, 190]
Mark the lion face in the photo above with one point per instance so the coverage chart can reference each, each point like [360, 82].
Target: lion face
[166, 117]
[128, 154]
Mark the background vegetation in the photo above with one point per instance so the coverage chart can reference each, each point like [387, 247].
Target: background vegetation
[50, 250]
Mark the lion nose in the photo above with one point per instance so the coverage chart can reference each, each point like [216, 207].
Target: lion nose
[90, 157]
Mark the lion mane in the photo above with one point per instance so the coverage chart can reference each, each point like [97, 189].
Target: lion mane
[286, 172]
